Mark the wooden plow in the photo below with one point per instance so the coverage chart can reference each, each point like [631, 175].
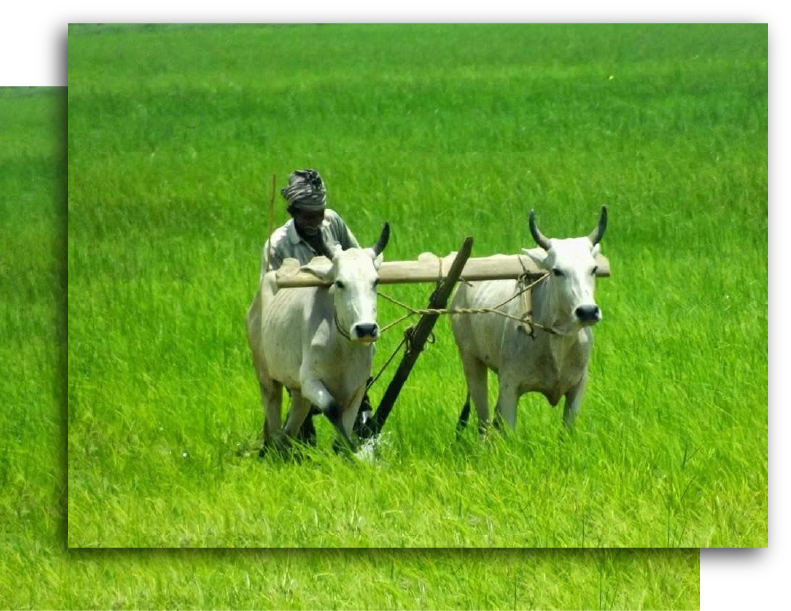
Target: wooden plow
[445, 272]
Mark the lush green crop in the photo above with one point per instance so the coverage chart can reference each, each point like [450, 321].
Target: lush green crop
[445, 131]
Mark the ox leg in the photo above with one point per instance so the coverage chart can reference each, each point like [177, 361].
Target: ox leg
[315, 392]
[348, 419]
[272, 401]
[350, 413]
[477, 376]
[297, 414]
[464, 416]
[307, 432]
[573, 401]
[507, 401]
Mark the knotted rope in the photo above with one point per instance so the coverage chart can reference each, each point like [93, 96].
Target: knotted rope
[525, 319]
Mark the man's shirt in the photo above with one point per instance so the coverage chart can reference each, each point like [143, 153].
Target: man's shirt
[286, 242]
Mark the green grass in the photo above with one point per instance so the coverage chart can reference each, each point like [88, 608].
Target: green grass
[38, 572]
[445, 131]
[341, 579]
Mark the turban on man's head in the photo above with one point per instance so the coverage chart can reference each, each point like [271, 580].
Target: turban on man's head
[305, 190]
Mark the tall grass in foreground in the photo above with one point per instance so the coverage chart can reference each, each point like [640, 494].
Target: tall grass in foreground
[445, 131]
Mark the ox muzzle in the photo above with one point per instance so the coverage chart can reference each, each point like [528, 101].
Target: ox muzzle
[365, 333]
[588, 315]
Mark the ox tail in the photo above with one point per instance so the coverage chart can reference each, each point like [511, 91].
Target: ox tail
[464, 416]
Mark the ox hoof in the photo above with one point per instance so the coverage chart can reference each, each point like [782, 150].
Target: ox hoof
[307, 432]
[364, 430]
[342, 448]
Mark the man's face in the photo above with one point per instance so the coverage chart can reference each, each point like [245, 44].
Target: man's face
[307, 221]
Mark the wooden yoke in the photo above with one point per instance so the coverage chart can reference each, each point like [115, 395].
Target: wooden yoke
[426, 269]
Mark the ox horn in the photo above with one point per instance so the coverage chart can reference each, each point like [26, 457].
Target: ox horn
[597, 234]
[539, 237]
[381, 243]
[325, 250]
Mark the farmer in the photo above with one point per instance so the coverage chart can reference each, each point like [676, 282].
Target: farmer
[301, 238]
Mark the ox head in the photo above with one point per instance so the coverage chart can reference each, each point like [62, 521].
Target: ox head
[354, 277]
[571, 266]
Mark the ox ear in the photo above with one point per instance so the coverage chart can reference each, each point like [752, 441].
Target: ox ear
[321, 267]
[539, 255]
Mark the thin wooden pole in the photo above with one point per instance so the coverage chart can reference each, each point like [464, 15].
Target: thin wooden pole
[271, 223]
[417, 339]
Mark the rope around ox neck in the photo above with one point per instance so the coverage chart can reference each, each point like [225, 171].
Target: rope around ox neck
[338, 325]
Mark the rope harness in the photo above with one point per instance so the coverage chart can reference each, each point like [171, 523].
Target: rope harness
[525, 318]
[338, 325]
[526, 323]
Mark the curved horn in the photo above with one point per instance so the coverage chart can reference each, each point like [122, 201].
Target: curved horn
[597, 234]
[539, 237]
[381, 243]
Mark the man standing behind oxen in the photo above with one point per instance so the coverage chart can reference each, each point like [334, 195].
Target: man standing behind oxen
[311, 231]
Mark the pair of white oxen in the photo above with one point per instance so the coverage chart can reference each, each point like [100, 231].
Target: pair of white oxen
[318, 341]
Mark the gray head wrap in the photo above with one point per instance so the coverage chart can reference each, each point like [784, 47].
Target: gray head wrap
[305, 190]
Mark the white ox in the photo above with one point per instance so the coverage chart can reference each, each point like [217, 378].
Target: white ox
[554, 361]
[317, 341]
